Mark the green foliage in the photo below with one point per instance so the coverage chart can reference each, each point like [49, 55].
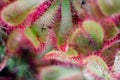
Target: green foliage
[61, 73]
[18, 66]
[13, 41]
[95, 30]
[48, 18]
[77, 6]
[116, 64]
[111, 32]
[2, 51]
[16, 12]
[98, 66]
[84, 45]
[109, 7]
[40, 32]
[30, 36]
[22, 69]
[81, 42]
[66, 22]
[85, 40]
[71, 52]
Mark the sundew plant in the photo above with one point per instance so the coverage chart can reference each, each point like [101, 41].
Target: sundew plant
[59, 39]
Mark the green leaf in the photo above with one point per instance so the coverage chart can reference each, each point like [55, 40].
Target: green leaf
[109, 7]
[40, 32]
[77, 6]
[47, 19]
[16, 12]
[66, 22]
[95, 30]
[116, 64]
[30, 36]
[49, 45]
[74, 35]
[18, 65]
[13, 41]
[97, 65]
[2, 49]
[80, 42]
[11, 64]
[84, 45]
[22, 68]
[110, 31]
[109, 54]
[61, 73]
[71, 52]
